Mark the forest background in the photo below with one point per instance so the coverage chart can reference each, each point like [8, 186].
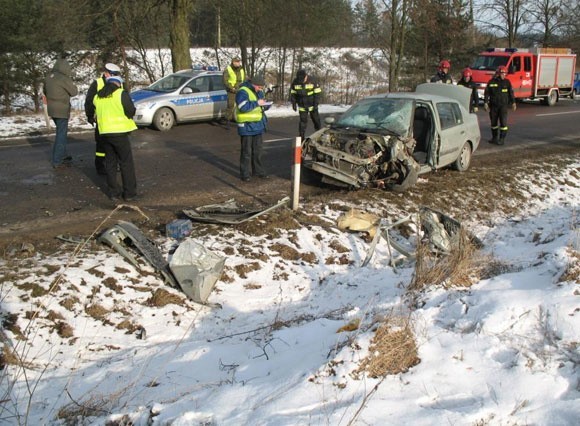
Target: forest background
[404, 39]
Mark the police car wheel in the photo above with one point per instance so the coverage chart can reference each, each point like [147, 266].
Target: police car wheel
[163, 119]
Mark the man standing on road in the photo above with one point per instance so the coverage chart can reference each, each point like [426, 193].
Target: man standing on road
[305, 94]
[498, 96]
[250, 106]
[115, 111]
[58, 89]
[234, 76]
[97, 85]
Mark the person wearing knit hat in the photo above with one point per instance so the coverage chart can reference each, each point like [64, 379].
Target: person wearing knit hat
[305, 96]
[109, 70]
[234, 75]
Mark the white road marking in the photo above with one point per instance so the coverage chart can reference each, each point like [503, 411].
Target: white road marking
[278, 140]
[558, 113]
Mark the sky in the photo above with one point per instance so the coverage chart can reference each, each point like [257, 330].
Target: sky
[281, 349]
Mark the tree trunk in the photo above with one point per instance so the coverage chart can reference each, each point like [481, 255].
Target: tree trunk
[179, 34]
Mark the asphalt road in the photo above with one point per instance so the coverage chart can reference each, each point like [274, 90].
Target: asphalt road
[197, 164]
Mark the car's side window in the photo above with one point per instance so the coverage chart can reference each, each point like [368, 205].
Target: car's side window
[217, 83]
[449, 114]
[200, 84]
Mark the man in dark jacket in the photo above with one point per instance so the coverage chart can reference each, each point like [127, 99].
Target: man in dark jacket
[114, 111]
[467, 81]
[250, 106]
[443, 75]
[58, 89]
[498, 96]
[305, 94]
[98, 84]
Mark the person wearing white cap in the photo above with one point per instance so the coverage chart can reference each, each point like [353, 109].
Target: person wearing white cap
[108, 71]
[114, 112]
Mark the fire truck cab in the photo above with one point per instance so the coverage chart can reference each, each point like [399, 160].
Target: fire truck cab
[544, 73]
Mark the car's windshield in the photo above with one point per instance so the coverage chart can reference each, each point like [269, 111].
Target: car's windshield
[489, 63]
[391, 115]
[169, 83]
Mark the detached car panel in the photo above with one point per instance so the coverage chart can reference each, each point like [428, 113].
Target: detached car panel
[184, 96]
[386, 141]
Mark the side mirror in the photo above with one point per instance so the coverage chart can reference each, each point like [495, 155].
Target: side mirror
[329, 120]
[187, 91]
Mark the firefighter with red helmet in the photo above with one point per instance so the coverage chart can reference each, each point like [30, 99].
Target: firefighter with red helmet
[467, 81]
[498, 96]
[443, 75]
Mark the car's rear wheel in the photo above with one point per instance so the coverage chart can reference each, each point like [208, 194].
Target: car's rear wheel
[464, 159]
[163, 119]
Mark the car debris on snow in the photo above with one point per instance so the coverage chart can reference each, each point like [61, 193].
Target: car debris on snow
[193, 268]
[229, 212]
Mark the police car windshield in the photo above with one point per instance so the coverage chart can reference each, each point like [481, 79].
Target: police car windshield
[169, 84]
[392, 116]
[489, 63]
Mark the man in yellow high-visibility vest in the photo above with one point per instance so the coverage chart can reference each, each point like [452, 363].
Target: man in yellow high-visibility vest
[114, 113]
[234, 75]
[250, 106]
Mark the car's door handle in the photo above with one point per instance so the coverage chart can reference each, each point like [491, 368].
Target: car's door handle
[463, 132]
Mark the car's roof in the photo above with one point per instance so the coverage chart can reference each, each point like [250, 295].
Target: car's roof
[194, 73]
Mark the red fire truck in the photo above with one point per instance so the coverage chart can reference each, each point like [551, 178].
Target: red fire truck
[539, 73]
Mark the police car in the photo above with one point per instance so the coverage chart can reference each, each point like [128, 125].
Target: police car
[188, 95]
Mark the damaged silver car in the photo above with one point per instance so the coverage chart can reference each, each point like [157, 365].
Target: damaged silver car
[388, 140]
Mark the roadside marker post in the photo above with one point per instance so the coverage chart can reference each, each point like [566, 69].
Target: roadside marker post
[296, 172]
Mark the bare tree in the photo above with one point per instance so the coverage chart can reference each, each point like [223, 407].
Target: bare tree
[549, 16]
[507, 17]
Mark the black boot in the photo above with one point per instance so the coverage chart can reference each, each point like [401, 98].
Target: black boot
[100, 165]
[502, 135]
[494, 138]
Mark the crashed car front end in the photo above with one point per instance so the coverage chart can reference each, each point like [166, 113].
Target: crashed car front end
[361, 160]
[370, 146]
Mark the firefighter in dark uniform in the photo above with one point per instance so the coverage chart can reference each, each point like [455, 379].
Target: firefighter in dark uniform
[499, 95]
[443, 75]
[98, 84]
[305, 95]
[114, 111]
[467, 81]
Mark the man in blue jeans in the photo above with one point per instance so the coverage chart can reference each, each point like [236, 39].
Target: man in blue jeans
[58, 89]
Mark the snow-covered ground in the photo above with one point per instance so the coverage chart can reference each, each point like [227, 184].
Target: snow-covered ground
[27, 125]
[283, 350]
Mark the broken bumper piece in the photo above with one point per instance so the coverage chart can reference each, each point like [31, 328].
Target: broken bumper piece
[196, 269]
[229, 213]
